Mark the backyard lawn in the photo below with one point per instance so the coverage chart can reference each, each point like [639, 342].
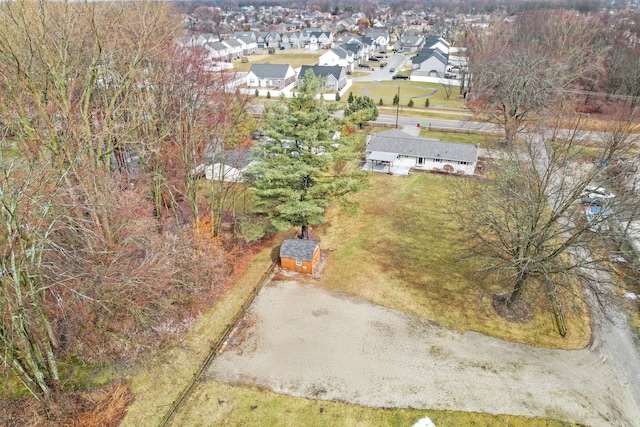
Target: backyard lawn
[402, 251]
[398, 251]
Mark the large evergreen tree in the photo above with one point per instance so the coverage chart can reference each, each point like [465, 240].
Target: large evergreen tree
[291, 179]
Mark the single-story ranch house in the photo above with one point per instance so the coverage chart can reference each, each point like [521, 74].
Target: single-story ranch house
[397, 152]
[300, 255]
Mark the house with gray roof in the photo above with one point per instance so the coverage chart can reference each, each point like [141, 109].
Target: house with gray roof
[397, 152]
[338, 56]
[276, 76]
[249, 45]
[380, 37]
[234, 48]
[430, 62]
[410, 43]
[335, 76]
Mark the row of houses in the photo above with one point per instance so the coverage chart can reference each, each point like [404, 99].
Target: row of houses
[246, 43]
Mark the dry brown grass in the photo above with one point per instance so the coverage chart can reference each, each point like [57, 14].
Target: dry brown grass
[401, 252]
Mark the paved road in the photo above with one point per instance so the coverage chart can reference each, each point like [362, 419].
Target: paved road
[379, 74]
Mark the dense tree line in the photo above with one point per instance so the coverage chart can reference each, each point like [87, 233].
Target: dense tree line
[104, 252]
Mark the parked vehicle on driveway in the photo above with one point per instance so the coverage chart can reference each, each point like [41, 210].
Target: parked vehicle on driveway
[383, 64]
[364, 66]
[400, 77]
[596, 195]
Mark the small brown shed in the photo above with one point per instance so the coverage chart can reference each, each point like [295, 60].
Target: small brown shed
[300, 255]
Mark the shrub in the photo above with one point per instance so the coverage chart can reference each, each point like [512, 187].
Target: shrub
[426, 103]
[410, 104]
[380, 102]
[337, 96]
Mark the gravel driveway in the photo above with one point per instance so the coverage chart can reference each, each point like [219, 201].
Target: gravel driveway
[306, 341]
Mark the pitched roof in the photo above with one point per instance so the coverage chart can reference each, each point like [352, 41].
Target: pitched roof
[238, 158]
[267, 70]
[429, 53]
[395, 141]
[301, 249]
[340, 52]
[322, 70]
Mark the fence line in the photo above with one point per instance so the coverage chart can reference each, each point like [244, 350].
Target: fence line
[216, 348]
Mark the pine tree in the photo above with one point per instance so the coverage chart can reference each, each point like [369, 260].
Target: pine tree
[380, 102]
[290, 178]
[396, 99]
[426, 103]
[268, 94]
[337, 96]
[410, 103]
[350, 99]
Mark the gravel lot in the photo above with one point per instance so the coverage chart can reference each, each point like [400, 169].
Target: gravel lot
[305, 341]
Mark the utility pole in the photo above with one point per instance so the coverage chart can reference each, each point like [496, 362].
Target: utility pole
[398, 107]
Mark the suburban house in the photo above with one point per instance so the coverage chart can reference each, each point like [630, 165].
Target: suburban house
[397, 152]
[319, 40]
[379, 37]
[249, 45]
[292, 40]
[229, 165]
[410, 43]
[338, 56]
[234, 48]
[300, 255]
[430, 62]
[268, 39]
[335, 76]
[436, 42]
[218, 51]
[277, 76]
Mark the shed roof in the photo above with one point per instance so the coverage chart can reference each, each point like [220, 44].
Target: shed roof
[395, 141]
[301, 249]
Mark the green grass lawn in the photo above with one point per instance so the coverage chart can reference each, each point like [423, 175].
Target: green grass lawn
[418, 91]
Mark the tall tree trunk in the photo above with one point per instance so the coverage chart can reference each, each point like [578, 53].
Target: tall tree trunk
[304, 232]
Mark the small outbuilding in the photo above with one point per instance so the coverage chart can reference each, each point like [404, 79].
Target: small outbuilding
[300, 255]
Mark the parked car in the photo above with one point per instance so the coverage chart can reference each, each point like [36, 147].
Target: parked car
[391, 70]
[383, 64]
[400, 77]
[257, 135]
[374, 59]
[596, 195]
[364, 66]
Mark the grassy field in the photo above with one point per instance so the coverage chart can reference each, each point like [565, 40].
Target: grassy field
[400, 252]
[418, 91]
[397, 252]
[294, 59]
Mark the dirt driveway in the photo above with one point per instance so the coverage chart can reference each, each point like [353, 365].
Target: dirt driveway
[305, 341]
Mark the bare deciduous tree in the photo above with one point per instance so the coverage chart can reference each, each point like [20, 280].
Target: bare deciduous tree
[525, 223]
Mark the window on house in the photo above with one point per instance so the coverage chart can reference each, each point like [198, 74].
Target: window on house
[437, 160]
[298, 262]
